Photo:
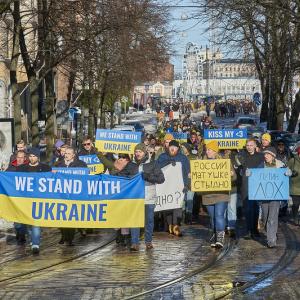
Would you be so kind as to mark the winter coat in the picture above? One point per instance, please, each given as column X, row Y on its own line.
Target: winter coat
column 152, row 174
column 77, row 163
column 294, row 165
column 247, row 161
column 165, row 159
column 130, row 169
column 83, row 152
column 211, row 198
column 13, row 165
column 39, row 168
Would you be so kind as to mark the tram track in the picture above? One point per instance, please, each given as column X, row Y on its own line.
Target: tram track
column 290, row 253
column 12, row 279
column 218, row 257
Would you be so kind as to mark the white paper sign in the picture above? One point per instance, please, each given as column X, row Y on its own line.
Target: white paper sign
column 169, row 194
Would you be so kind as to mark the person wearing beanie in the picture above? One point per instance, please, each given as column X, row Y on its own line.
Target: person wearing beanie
column 265, row 140
column 173, row 155
column 216, row 202
column 152, row 174
column 165, row 146
column 57, row 152
column 270, row 208
column 34, row 165
column 212, row 145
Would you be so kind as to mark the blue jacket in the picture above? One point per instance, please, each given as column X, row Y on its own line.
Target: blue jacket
column 165, row 159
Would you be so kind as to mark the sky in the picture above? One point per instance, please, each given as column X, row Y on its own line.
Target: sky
column 189, row 29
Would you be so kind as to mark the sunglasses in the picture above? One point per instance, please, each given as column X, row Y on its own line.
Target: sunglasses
column 86, row 144
column 122, row 156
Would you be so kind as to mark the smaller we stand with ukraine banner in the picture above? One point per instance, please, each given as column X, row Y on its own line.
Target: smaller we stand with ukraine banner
column 75, row 201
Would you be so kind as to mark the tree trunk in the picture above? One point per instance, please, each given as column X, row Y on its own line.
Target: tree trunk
column 13, row 71
column 34, row 96
column 295, row 114
column 50, row 114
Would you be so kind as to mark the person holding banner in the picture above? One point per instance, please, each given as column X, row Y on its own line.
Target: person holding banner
column 173, row 217
column 216, row 202
column 152, row 174
column 70, row 161
column 34, row 165
column 249, row 158
column 270, row 208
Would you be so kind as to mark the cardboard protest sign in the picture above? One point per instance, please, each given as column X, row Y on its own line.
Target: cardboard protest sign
column 181, row 137
column 169, row 194
column 227, row 138
column 211, row 175
column 93, row 163
column 268, row 184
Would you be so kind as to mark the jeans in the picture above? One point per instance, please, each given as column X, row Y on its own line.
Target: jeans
column 149, row 225
column 231, row 211
column 189, row 202
column 217, row 215
column 21, row 229
column 252, row 212
column 35, row 233
column 270, row 212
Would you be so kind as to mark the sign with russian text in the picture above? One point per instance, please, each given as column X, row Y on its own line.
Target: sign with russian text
column 227, row 138
column 211, row 175
column 170, row 193
column 115, row 141
column 75, row 201
column 93, row 162
column 181, row 137
column 74, row 171
column 268, row 184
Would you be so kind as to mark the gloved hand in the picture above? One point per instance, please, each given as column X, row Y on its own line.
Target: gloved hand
column 173, row 163
column 248, row 173
column 288, row 172
column 185, row 190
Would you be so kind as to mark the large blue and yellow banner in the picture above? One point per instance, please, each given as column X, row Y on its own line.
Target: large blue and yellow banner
column 75, row 201
column 116, row 141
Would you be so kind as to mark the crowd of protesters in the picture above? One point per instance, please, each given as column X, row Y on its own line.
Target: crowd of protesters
column 162, row 149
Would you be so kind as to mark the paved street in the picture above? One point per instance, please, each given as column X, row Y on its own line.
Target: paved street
column 177, row 268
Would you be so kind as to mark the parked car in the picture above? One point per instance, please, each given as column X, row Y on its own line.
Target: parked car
column 276, row 134
column 291, row 139
column 245, row 122
column 295, row 147
column 138, row 126
column 124, row 128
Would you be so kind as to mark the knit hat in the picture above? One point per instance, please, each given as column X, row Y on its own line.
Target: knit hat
column 267, row 137
column 34, row 151
column 187, row 146
column 174, row 143
column 213, row 145
column 59, row 143
column 168, row 136
column 270, row 150
column 141, row 147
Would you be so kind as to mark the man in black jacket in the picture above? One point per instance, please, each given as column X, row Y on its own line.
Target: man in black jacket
column 249, row 159
column 70, row 161
column 34, row 165
column 87, row 147
column 152, row 174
